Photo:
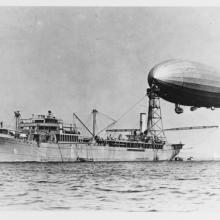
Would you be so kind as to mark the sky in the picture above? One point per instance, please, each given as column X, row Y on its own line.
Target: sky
column 74, row 59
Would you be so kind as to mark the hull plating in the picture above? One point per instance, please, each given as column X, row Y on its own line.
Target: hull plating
column 13, row 150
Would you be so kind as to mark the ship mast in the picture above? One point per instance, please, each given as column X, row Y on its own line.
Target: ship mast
column 17, row 119
column 94, row 113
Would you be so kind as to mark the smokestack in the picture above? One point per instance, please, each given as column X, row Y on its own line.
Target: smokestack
column 143, row 122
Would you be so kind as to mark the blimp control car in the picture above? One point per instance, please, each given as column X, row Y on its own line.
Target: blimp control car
column 186, row 83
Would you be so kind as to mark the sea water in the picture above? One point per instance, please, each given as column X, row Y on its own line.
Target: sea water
column 136, row 186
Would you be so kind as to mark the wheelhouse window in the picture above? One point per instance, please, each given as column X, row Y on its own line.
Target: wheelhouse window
column 39, row 121
column 51, row 120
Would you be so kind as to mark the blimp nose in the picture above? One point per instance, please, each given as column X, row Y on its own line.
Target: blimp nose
column 155, row 74
column 170, row 71
column 151, row 77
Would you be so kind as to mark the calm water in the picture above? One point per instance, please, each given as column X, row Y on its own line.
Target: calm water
column 151, row 186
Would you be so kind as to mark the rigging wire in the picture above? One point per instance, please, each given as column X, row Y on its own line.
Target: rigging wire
column 88, row 122
column 106, row 116
column 106, row 128
column 130, row 109
column 123, row 115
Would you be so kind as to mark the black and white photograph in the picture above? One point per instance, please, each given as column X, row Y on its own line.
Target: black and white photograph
column 113, row 109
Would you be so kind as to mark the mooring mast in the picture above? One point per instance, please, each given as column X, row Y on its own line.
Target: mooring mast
column 154, row 121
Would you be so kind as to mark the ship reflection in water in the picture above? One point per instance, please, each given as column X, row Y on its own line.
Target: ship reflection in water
column 137, row 186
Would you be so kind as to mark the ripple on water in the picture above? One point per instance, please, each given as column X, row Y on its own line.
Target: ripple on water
column 178, row 192
column 110, row 186
column 183, row 179
column 41, row 181
column 119, row 191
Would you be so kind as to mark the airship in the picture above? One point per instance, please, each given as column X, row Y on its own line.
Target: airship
column 186, row 83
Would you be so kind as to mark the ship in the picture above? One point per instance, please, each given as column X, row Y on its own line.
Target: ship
column 45, row 138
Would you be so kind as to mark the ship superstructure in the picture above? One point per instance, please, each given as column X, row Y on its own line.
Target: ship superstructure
column 47, row 128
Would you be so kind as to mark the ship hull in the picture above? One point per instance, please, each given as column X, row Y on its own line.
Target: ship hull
column 15, row 150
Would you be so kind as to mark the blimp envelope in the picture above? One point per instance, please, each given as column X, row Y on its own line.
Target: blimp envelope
column 186, row 83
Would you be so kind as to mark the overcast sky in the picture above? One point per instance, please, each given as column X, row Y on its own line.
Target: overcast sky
column 70, row 59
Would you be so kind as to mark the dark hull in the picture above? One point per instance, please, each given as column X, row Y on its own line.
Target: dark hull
column 187, row 96
column 186, row 83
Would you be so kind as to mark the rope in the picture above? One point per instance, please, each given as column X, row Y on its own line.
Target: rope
column 88, row 119
column 60, row 152
column 130, row 109
column 106, row 128
column 115, row 121
column 106, row 116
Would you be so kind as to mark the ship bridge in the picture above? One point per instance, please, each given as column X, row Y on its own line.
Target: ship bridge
column 41, row 123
